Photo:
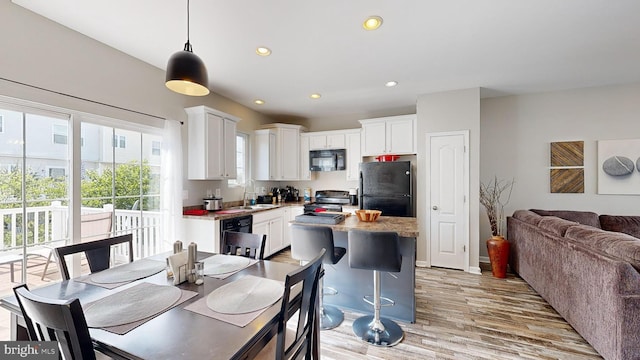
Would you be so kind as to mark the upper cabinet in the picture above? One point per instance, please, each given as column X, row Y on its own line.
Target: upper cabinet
column 277, row 152
column 212, row 144
column 354, row 157
column 327, row 140
column 389, row 135
column 305, row 170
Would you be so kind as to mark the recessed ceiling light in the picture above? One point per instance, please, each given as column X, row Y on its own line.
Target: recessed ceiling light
column 263, row 51
column 315, row 96
column 391, row 83
column 258, row 102
column 372, row 23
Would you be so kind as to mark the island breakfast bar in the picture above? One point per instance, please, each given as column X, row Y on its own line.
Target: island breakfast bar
column 353, row 284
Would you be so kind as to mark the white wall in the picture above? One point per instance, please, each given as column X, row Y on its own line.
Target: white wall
column 42, row 53
column 516, row 136
column 448, row 111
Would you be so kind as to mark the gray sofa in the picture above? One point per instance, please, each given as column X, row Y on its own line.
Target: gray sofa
column 587, row 267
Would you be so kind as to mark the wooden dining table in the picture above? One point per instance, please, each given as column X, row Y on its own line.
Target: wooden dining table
column 176, row 333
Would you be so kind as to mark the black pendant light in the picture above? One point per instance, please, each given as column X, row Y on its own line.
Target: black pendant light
column 186, row 73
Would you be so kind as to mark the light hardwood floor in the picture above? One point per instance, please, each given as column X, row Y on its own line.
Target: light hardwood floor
column 466, row 316
column 459, row 316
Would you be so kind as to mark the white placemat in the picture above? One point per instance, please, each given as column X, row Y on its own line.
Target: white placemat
column 249, row 294
column 130, row 305
column 128, row 272
column 222, row 264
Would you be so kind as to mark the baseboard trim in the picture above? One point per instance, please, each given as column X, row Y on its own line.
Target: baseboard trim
column 475, row 270
column 484, row 259
column 423, row 264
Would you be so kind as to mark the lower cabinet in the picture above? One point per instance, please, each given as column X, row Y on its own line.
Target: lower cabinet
column 203, row 231
column 270, row 223
column 290, row 214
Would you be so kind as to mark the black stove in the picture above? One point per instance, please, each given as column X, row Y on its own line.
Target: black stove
column 329, row 200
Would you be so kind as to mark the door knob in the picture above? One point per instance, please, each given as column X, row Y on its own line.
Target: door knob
column 435, row 207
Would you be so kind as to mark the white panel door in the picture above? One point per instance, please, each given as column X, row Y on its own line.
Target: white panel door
column 449, row 240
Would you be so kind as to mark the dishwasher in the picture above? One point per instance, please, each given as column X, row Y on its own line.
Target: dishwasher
column 238, row 224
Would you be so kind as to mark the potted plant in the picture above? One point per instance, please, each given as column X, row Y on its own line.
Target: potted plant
column 494, row 195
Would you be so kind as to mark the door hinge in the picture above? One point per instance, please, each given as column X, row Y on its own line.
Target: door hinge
column 464, row 198
column 464, row 248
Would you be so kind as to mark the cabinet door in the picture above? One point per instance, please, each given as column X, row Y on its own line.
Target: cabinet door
column 317, row 142
column 229, row 153
column 374, row 139
column 335, row 141
column 276, row 234
column 215, row 147
column 262, row 227
column 264, row 149
column 305, row 173
column 353, row 156
column 400, row 136
column 289, row 152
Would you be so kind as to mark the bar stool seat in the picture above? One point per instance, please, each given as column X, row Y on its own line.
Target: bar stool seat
column 377, row 251
column 306, row 244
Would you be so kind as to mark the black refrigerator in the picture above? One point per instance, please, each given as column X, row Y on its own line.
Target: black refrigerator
column 386, row 186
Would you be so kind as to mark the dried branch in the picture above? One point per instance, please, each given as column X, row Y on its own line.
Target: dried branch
column 492, row 198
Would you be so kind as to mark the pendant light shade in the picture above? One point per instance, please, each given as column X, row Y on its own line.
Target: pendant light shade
column 186, row 73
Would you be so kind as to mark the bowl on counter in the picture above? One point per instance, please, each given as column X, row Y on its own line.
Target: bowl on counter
column 368, row 215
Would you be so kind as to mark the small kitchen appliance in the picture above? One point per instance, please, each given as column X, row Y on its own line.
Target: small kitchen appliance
column 213, row 204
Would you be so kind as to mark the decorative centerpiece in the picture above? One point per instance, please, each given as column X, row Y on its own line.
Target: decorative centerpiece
column 494, row 196
column 368, row 215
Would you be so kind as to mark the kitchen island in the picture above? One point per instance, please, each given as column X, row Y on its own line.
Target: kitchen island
column 353, row 284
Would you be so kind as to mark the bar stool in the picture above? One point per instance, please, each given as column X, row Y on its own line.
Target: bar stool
column 377, row 251
column 306, row 244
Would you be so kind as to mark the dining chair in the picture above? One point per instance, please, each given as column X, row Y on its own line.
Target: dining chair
column 244, row 244
column 303, row 342
column 97, row 252
column 57, row 320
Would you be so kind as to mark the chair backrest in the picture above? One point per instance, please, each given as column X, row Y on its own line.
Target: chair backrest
column 244, row 244
column 307, row 241
column 98, row 253
column 306, row 307
column 95, row 226
column 56, row 320
column 374, row 250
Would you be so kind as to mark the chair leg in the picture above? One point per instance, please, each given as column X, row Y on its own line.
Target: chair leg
column 46, row 265
column 330, row 316
column 375, row 329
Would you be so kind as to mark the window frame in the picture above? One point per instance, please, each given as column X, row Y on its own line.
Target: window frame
column 245, row 166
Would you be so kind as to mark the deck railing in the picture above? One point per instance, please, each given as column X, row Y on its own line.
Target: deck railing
column 48, row 225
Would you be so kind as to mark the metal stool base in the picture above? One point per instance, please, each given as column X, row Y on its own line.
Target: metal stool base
column 390, row 336
column 330, row 317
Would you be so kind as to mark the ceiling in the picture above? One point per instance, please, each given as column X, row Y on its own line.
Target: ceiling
column 502, row 46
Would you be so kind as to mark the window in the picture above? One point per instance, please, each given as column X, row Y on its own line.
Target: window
column 60, row 134
column 155, row 148
column 242, row 160
column 56, row 172
column 119, row 141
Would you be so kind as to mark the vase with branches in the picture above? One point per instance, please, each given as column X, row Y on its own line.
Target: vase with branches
column 494, row 195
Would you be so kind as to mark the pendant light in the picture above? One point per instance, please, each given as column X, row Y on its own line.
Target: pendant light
column 186, row 73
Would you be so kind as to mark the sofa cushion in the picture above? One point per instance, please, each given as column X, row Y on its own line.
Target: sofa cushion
column 556, row 225
column 624, row 224
column 582, row 217
column 616, row 244
column 527, row 216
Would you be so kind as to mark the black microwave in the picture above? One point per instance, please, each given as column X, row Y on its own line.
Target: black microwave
column 327, row 160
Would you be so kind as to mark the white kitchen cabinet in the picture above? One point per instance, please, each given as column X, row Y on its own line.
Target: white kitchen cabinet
column 212, row 144
column 203, row 231
column 352, row 139
column 305, row 170
column 283, row 163
column 390, row 135
column 327, row 140
column 290, row 213
column 270, row 223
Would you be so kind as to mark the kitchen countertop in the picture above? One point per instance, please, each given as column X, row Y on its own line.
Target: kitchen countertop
column 404, row 226
column 216, row 215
